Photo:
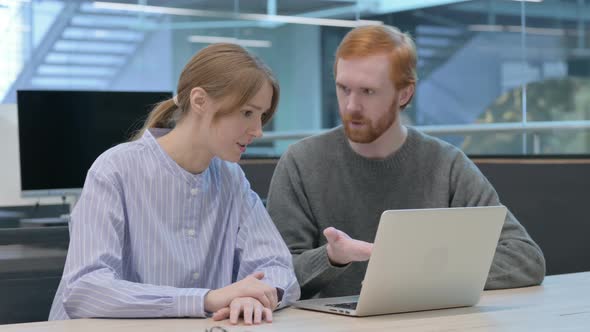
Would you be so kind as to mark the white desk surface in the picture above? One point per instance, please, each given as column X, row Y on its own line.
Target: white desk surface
column 562, row 303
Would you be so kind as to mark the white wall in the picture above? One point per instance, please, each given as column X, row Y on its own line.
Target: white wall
column 295, row 59
column 9, row 161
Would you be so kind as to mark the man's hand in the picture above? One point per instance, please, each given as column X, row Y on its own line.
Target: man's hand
column 251, row 309
column 342, row 249
column 251, row 286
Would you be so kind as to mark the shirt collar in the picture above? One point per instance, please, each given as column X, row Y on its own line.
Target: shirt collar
column 150, row 136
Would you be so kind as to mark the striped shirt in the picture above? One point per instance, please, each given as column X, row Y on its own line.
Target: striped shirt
column 150, row 239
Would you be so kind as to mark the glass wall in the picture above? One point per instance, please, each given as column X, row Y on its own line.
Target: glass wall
column 496, row 77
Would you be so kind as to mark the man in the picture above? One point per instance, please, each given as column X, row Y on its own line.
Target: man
column 328, row 191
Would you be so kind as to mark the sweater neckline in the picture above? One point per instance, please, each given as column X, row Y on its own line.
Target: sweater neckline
column 394, row 160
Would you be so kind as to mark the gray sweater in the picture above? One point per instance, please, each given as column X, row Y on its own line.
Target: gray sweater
column 321, row 182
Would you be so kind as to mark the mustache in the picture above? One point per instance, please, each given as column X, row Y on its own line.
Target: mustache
column 356, row 117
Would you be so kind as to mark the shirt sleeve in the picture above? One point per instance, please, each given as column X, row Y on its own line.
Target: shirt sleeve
column 93, row 283
column 518, row 260
column 260, row 247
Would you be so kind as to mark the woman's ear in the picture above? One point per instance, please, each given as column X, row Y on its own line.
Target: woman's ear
column 198, row 99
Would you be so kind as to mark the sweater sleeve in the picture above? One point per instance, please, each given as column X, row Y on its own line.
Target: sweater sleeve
column 290, row 210
column 518, row 260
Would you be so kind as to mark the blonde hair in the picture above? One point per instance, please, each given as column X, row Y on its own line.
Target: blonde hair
column 226, row 72
column 382, row 39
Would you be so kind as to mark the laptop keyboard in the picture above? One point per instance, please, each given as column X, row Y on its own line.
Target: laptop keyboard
column 349, row 305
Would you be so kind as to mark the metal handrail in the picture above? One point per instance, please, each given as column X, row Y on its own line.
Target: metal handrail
column 466, row 129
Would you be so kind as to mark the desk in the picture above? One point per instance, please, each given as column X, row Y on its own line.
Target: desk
column 10, row 214
column 561, row 303
column 18, row 258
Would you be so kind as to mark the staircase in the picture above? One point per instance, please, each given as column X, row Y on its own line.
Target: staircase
column 438, row 44
column 85, row 48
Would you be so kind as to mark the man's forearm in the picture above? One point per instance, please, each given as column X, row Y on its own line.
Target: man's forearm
column 314, row 271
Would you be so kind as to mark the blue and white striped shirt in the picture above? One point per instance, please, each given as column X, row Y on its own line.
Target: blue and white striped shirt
column 150, row 239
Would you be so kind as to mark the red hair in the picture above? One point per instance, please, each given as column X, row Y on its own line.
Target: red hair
column 382, row 39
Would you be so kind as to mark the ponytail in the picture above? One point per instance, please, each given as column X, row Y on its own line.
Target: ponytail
column 162, row 116
column 226, row 72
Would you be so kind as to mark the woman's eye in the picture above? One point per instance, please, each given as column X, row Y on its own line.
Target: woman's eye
column 368, row 91
column 248, row 113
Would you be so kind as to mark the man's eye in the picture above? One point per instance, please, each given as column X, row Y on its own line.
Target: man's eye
column 368, row 91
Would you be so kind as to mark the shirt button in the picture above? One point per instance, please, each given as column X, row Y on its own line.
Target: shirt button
column 191, row 232
column 196, row 275
column 194, row 191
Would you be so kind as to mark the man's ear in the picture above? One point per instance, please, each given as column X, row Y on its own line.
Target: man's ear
column 405, row 95
column 198, row 99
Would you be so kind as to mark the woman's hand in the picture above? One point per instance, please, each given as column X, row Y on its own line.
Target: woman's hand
column 251, row 287
column 249, row 308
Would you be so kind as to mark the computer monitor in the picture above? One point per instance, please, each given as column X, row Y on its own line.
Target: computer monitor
column 61, row 133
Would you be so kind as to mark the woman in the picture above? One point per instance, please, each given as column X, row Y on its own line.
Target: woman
column 167, row 225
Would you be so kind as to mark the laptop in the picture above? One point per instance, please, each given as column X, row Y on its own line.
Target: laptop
column 424, row 259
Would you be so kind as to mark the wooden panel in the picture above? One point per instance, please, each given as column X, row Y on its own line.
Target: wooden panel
column 552, row 201
column 27, row 299
column 549, row 196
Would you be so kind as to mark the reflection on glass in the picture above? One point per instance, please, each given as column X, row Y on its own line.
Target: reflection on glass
column 472, row 54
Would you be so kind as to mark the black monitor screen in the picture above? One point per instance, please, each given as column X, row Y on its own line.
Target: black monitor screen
column 61, row 133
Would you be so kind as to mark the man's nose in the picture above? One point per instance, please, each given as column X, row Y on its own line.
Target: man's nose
column 353, row 102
